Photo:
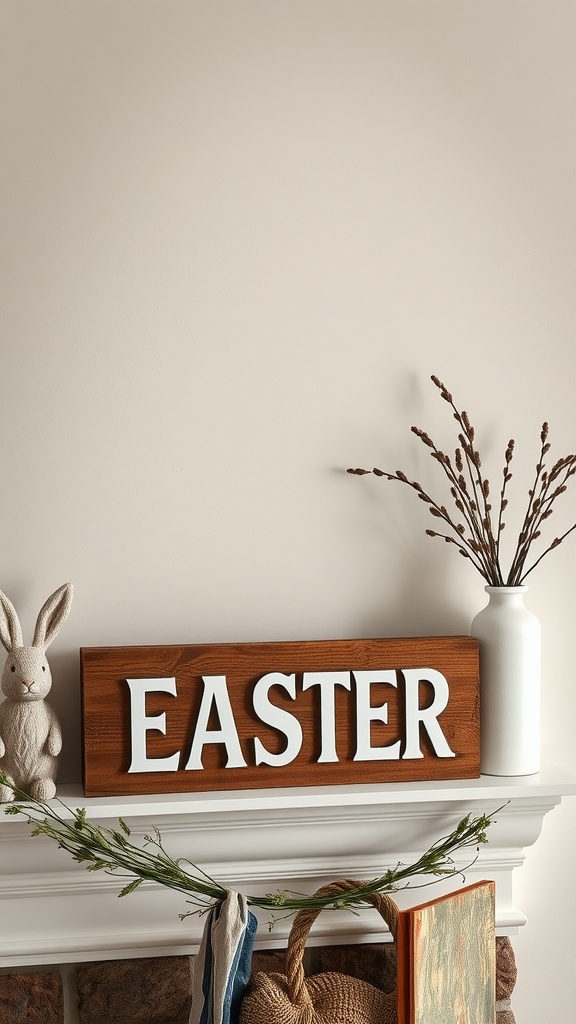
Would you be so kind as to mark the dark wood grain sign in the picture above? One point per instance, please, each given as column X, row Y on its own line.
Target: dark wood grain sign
column 258, row 715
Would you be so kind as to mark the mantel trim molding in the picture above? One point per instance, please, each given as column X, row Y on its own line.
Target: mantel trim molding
column 53, row 911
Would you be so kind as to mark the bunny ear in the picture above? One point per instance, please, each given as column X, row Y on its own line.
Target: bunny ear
column 10, row 629
column 52, row 616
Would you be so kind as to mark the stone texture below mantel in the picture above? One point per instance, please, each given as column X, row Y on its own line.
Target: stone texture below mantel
column 158, row 990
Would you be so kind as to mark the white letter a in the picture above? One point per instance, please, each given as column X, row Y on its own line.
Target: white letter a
column 216, row 692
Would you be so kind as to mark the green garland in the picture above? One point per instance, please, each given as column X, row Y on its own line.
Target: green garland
column 110, row 850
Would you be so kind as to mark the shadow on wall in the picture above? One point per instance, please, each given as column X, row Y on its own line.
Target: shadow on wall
column 65, row 699
column 423, row 600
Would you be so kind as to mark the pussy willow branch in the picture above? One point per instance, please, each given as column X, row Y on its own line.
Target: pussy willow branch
column 528, row 528
column 112, row 851
column 478, row 536
column 506, row 477
column 554, row 544
column 467, row 546
column 541, row 508
column 480, row 487
column 458, row 487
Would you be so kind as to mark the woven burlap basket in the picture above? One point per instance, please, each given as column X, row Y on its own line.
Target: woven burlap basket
column 328, row 998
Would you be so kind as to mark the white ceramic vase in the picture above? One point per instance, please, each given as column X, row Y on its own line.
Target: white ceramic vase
column 510, row 671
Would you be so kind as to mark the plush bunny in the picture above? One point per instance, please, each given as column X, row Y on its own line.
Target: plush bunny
column 30, row 737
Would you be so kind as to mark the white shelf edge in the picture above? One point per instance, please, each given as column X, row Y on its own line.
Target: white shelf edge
column 551, row 781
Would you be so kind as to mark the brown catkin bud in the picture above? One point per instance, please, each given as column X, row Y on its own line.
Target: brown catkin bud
column 468, row 426
column 443, row 389
column 423, row 436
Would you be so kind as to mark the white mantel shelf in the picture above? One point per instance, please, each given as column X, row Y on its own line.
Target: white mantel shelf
column 54, row 911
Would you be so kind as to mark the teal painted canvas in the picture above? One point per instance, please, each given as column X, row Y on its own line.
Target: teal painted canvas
column 447, row 959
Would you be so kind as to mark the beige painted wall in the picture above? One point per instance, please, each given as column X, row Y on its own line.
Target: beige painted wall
column 236, row 239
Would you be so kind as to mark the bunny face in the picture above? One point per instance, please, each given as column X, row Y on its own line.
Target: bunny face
column 26, row 676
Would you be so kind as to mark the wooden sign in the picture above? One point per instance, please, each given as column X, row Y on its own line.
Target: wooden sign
column 252, row 716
